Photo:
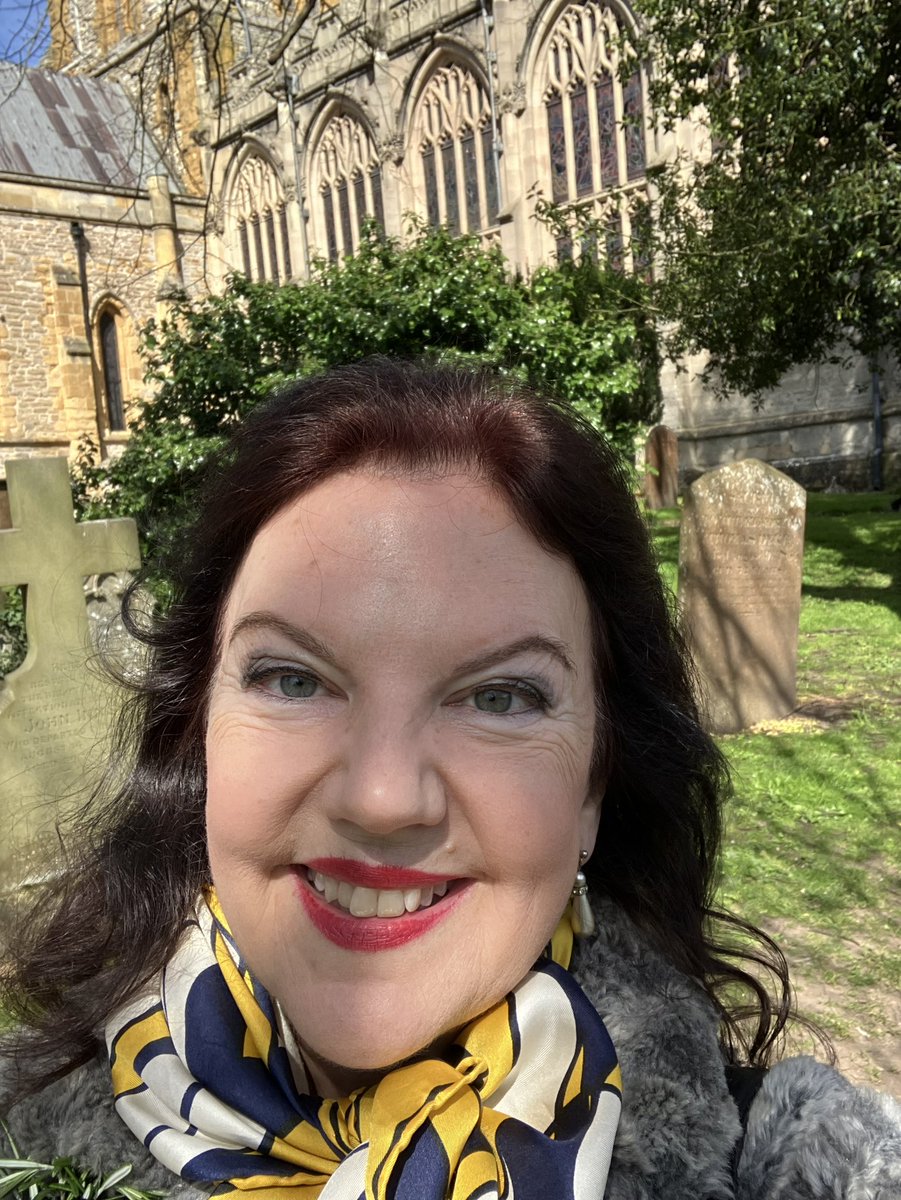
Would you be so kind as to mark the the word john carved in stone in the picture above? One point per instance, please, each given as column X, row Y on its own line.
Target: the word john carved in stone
column 55, row 711
column 740, row 557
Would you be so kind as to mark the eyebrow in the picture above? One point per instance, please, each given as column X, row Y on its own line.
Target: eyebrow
column 534, row 643
column 294, row 633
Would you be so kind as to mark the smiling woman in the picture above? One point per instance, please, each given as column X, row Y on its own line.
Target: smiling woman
column 419, row 671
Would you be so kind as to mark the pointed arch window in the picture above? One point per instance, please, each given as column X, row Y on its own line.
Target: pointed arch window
column 259, row 236
column 113, row 344
column 348, row 180
column 595, row 119
column 453, row 133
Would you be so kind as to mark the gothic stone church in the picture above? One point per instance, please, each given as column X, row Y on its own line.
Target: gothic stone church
column 258, row 135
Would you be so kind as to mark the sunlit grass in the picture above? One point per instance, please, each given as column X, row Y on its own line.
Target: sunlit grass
column 813, row 833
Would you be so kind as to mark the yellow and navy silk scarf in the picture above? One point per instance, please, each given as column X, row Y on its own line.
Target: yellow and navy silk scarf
column 523, row 1106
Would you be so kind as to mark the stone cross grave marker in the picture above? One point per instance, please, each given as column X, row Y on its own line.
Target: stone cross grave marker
column 661, row 463
column 740, row 555
column 55, row 711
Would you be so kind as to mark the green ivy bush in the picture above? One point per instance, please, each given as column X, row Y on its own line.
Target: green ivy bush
column 576, row 329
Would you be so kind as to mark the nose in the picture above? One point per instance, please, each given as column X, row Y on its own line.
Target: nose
column 389, row 781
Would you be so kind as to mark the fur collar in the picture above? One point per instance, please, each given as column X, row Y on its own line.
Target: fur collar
column 811, row 1135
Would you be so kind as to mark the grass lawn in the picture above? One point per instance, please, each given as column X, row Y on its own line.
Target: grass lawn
column 813, row 835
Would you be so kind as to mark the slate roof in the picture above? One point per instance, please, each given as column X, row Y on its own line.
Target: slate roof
column 72, row 128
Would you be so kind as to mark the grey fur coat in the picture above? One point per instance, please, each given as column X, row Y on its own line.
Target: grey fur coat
column 811, row 1135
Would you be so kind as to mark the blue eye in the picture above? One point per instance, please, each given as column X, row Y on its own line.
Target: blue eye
column 281, row 682
column 503, row 699
column 296, row 687
column 493, row 700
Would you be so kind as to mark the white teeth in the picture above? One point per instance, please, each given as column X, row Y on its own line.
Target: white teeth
column 391, row 904
column 372, row 902
column 331, row 889
column 364, row 902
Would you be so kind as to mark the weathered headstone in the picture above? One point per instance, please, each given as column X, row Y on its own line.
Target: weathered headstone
column 661, row 468
column 55, row 711
column 740, row 555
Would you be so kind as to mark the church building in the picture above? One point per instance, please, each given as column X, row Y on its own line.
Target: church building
column 153, row 152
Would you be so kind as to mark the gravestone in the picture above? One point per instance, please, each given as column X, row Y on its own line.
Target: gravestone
column 55, row 711
column 661, row 468
column 740, row 556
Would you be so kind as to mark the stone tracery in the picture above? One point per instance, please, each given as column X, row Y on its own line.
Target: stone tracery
column 348, row 183
column 454, row 137
column 258, row 221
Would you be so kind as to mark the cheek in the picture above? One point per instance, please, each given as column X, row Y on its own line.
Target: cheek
column 254, row 785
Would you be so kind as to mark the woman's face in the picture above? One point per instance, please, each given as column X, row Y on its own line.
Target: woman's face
column 398, row 751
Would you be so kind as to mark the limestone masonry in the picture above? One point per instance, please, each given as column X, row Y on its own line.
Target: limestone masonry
column 153, row 152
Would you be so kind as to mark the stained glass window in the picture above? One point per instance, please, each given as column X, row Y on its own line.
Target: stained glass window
column 607, row 131
column 453, row 125
column 615, row 241
column 431, row 186
column 245, row 249
column 328, row 206
column 596, row 134
column 633, row 124
column 344, row 209
column 269, row 222
column 557, row 138
column 470, row 180
column 254, row 198
column 286, row 241
column 581, row 134
column 451, row 191
column 258, row 248
column 360, row 201
column 346, row 162
column 490, row 174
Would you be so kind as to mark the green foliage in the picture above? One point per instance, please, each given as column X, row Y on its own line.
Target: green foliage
column 787, row 239
column 22, row 1178
column 13, row 641
column 573, row 329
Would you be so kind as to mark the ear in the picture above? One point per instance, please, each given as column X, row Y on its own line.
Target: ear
column 589, row 820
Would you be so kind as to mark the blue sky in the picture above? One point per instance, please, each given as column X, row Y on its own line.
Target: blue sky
column 23, row 30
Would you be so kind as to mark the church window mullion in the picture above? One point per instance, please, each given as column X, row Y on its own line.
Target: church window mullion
column 378, row 208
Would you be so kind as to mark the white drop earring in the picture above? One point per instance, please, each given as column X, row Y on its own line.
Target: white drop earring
column 581, row 918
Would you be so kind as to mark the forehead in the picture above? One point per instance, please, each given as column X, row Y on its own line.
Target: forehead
column 365, row 553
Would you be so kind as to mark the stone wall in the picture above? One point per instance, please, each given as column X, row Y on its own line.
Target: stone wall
column 51, row 389
column 817, row 426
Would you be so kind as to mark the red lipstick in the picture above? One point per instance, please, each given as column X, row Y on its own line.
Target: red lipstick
column 375, row 875
column 372, row 933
